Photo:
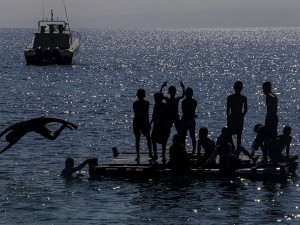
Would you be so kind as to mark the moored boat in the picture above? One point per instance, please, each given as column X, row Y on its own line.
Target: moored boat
column 53, row 43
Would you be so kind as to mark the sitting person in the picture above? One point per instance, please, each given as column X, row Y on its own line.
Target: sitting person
column 262, row 140
column 206, row 143
column 179, row 159
column 69, row 169
column 224, row 148
column 281, row 142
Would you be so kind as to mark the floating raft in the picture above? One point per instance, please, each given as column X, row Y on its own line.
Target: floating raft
column 125, row 166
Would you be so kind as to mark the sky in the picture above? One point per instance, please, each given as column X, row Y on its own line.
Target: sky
column 153, row 13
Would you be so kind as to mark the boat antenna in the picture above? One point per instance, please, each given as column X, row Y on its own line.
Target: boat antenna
column 51, row 14
column 43, row 8
column 66, row 12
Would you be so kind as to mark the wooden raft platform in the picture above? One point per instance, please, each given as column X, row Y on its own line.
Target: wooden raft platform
column 125, row 166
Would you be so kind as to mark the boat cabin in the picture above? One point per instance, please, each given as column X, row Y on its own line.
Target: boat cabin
column 52, row 34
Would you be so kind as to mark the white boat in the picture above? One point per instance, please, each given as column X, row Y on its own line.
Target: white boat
column 53, row 43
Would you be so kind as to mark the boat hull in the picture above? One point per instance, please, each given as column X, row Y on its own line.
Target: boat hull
column 49, row 56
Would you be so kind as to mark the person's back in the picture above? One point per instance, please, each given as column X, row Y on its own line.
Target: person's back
column 237, row 108
column 206, row 143
column 271, row 120
column 188, row 123
column 179, row 159
column 188, row 107
column 141, row 112
column 161, row 125
column 141, row 121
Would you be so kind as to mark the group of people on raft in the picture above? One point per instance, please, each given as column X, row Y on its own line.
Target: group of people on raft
column 166, row 114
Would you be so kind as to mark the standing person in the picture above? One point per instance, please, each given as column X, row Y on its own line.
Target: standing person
column 188, row 123
column 172, row 103
column 141, row 122
column 237, row 108
column 161, row 125
column 38, row 125
column 271, row 121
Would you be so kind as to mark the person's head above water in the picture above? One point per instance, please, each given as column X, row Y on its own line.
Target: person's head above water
column 69, row 162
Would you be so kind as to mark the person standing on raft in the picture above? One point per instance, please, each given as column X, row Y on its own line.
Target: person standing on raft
column 141, row 122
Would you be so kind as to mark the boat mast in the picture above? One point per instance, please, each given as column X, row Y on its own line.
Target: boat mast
column 66, row 13
column 43, row 8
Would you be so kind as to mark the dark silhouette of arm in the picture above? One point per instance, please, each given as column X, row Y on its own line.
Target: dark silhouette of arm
column 163, row 85
column 7, row 147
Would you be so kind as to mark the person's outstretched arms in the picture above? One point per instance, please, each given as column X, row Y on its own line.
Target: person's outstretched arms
column 79, row 167
column 163, row 85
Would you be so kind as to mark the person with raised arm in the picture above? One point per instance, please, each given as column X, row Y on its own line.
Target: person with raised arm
column 161, row 125
column 69, row 169
column 173, row 103
column 38, row 125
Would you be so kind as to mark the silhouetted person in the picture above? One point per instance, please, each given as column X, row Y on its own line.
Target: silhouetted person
column 69, row 169
column 141, row 122
column 161, row 125
column 188, row 123
column 262, row 141
column 38, row 125
column 271, row 121
column 236, row 110
column 281, row 142
column 172, row 103
column 206, row 143
column 179, row 159
column 225, row 149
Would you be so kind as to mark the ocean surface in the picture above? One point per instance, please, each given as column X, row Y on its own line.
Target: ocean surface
column 97, row 93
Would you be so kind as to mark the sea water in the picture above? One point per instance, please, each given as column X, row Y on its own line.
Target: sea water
column 97, row 91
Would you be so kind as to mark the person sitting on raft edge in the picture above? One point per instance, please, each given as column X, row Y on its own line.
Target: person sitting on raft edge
column 179, row 160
